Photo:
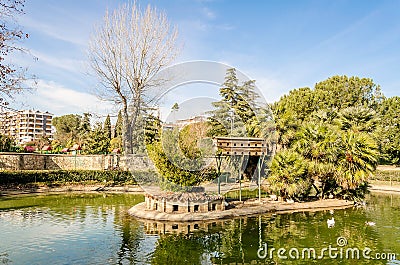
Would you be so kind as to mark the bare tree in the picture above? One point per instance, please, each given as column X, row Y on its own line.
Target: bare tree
column 11, row 77
column 126, row 51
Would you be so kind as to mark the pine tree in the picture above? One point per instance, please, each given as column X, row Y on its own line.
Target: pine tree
column 97, row 142
column 237, row 112
column 107, row 127
column 85, row 123
column 229, row 89
column 152, row 129
column 118, row 126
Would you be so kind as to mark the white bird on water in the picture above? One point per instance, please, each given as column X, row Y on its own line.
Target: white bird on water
column 370, row 223
column 331, row 222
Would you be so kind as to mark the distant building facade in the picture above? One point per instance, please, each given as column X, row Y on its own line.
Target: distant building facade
column 26, row 125
column 183, row 122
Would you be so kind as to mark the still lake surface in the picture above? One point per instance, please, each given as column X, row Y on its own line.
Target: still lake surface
column 95, row 229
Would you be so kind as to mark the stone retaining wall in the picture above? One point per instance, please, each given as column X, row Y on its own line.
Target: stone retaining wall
column 29, row 161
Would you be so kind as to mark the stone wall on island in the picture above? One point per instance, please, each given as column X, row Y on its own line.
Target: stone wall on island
column 184, row 202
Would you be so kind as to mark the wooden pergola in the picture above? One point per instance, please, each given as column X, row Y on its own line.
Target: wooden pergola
column 241, row 146
column 249, row 146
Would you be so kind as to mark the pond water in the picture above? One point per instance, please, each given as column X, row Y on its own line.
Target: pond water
column 95, row 229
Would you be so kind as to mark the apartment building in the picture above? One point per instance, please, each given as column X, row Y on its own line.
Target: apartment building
column 26, row 125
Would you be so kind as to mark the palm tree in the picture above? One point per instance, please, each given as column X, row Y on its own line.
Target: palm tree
column 357, row 119
column 286, row 127
column 357, row 160
column 289, row 175
column 318, row 145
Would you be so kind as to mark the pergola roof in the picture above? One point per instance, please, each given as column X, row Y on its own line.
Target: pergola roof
column 241, row 145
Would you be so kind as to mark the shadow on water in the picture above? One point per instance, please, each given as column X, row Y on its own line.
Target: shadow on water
column 4, row 258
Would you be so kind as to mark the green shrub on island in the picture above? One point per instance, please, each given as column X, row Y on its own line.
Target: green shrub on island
column 180, row 156
column 66, row 176
column 171, row 170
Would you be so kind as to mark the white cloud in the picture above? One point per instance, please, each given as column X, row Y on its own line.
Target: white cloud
column 225, row 27
column 272, row 89
column 208, row 13
column 59, row 100
column 71, row 65
column 65, row 33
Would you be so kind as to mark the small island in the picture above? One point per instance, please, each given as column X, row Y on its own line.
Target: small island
column 214, row 208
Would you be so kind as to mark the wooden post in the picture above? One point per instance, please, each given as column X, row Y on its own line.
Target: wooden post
column 240, row 183
column 259, row 178
column 219, row 161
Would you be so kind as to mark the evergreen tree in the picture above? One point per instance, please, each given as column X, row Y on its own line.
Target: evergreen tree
column 6, row 143
column 97, row 142
column 231, row 113
column 329, row 97
column 68, row 128
column 107, row 127
column 85, row 123
column 84, row 130
column 118, row 126
column 339, row 92
column 115, row 143
column 239, row 113
column 389, row 130
column 152, row 129
column 174, row 110
column 229, row 89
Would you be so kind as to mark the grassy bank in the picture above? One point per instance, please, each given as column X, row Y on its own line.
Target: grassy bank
column 387, row 175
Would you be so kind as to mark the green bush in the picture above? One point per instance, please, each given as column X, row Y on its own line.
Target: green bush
column 51, row 176
column 288, row 177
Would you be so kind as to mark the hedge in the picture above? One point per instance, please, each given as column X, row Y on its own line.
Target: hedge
column 31, row 176
column 387, row 175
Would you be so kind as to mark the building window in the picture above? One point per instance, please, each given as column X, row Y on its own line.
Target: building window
column 174, row 227
column 175, row 208
column 213, row 207
column 196, row 208
column 156, row 206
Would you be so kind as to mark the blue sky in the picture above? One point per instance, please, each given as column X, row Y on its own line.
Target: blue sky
column 281, row 44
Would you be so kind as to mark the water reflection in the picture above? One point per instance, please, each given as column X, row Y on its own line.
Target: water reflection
column 64, row 229
column 95, row 229
column 233, row 241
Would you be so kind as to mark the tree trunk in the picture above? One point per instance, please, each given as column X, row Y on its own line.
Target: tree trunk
column 135, row 129
column 126, row 132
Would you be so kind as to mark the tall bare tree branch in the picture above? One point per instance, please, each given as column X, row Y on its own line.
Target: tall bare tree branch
column 129, row 48
column 12, row 77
